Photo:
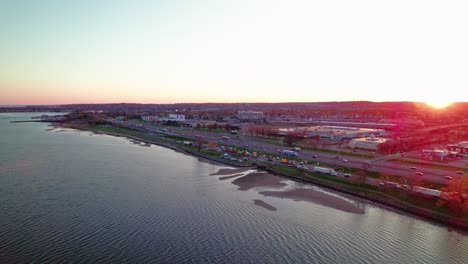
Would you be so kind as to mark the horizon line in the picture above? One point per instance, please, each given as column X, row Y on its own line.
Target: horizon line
column 259, row 102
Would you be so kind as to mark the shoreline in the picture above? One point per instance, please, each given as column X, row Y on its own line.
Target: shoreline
column 388, row 203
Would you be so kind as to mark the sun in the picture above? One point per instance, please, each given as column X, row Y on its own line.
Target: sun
column 439, row 104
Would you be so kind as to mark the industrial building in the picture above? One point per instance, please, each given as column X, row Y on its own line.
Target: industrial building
column 461, row 147
column 251, row 116
column 338, row 132
column 370, row 143
column 356, row 124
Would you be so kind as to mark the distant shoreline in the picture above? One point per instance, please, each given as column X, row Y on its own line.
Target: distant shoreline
column 389, row 204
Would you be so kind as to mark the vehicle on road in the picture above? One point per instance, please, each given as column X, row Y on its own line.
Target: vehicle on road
column 289, row 153
column 325, row 170
column 296, row 148
column 346, row 175
column 314, row 156
column 448, row 177
column 345, row 160
column 413, row 168
column 419, row 173
column 460, row 172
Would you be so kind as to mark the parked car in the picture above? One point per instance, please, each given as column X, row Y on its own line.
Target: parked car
column 346, row 175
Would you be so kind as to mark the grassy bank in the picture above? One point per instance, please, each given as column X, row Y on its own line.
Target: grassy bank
column 401, row 199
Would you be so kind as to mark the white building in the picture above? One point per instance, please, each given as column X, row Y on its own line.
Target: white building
column 250, row 116
column 338, row 132
column 461, row 147
column 370, row 143
column 174, row 117
column 404, row 122
column 150, row 118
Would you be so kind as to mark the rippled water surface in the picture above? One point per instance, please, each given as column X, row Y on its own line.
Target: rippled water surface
column 70, row 196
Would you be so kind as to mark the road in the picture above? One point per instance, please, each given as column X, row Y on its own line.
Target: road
column 258, row 144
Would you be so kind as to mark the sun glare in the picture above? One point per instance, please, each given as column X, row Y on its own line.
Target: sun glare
column 439, row 104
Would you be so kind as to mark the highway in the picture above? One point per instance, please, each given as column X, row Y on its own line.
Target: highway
column 257, row 144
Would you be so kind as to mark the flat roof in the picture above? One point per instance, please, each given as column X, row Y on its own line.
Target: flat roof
column 463, row 144
column 371, row 139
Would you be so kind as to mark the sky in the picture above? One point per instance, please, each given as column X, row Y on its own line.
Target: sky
column 177, row 51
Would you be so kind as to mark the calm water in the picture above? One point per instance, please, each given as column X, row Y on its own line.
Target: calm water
column 69, row 196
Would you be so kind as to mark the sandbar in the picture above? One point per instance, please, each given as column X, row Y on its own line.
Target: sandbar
column 229, row 171
column 316, row 197
column 264, row 205
column 253, row 180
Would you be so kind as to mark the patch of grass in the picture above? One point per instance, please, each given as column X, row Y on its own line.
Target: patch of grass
column 210, row 152
column 417, row 200
column 289, row 170
column 177, row 138
column 374, row 174
column 113, row 129
column 218, row 130
column 324, row 177
column 139, row 121
column 123, row 131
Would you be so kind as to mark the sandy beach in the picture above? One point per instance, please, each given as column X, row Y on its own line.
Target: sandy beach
column 229, row 171
column 316, row 197
column 254, row 180
column 230, row 177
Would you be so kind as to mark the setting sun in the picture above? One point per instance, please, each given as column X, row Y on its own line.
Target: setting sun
column 439, row 104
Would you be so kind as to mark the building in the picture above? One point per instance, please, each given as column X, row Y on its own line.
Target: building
column 150, row 118
column 404, row 122
column 370, row 143
column 439, row 154
column 461, row 147
column 251, row 116
column 339, row 133
column 355, row 124
column 174, row 117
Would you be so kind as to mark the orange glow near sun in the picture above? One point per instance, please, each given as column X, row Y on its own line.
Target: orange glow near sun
column 439, row 104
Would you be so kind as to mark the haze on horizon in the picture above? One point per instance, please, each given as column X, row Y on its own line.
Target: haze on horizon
column 103, row 51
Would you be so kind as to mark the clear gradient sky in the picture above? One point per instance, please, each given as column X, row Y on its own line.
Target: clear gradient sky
column 101, row 51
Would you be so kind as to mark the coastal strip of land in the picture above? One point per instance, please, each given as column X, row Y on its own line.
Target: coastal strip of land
column 376, row 197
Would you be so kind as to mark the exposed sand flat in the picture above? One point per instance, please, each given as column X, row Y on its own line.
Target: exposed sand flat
column 317, row 197
column 253, row 180
column 230, row 171
column 264, row 205
column 230, row 177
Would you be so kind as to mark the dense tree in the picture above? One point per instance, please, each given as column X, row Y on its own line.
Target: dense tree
column 455, row 195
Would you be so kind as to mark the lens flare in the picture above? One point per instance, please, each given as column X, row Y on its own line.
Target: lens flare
column 439, row 104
